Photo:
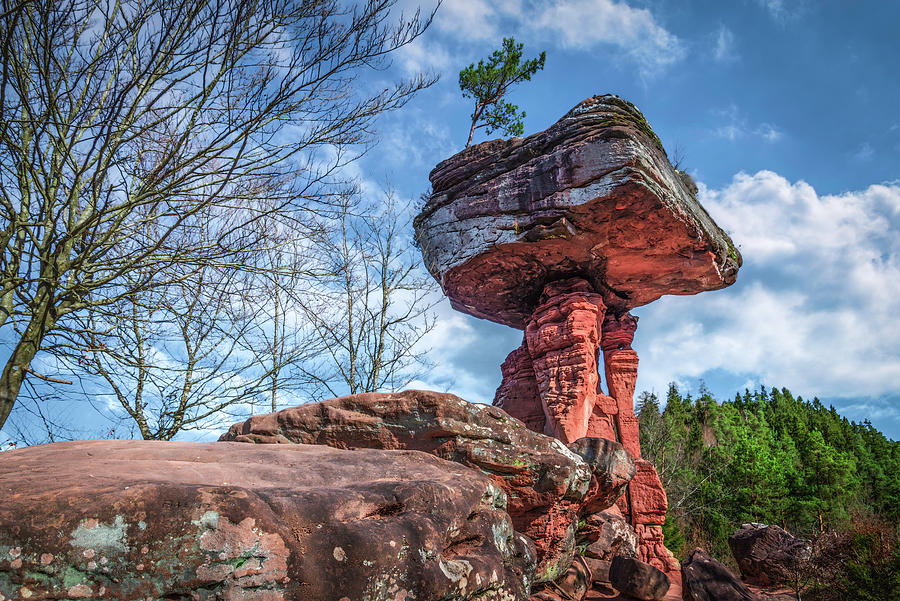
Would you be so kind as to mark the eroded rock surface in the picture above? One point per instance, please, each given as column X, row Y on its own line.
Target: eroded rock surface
column 128, row 520
column 546, row 484
column 571, row 586
column 612, row 468
column 605, row 534
column 562, row 338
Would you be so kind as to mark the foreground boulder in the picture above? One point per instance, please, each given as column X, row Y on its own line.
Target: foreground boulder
column 606, row 533
column 129, row 520
column 765, row 554
column 571, row 586
column 705, row 579
column 612, row 469
column 637, row 579
column 546, row 484
column 603, row 535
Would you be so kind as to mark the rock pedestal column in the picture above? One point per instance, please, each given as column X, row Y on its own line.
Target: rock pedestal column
column 645, row 503
column 518, row 393
column 552, row 383
column 621, row 364
column 562, row 338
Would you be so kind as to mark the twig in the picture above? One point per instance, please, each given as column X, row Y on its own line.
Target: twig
column 47, row 378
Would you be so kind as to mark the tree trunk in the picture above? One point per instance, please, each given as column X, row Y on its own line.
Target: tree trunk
column 20, row 360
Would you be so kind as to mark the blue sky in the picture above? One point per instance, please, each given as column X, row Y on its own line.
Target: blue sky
column 785, row 112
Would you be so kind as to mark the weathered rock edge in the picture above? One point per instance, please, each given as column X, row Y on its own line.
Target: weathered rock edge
column 548, row 485
column 177, row 520
column 593, row 196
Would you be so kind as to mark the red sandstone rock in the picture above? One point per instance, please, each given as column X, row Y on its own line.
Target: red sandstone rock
column 605, row 534
column 612, row 468
column 572, row 586
column 593, row 196
column 130, row 519
column 518, row 393
column 545, row 483
column 562, row 337
column 621, row 364
column 561, row 233
column 601, row 423
column 647, row 499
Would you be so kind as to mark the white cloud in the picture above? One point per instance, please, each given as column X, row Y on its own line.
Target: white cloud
column 785, row 10
column 817, row 302
column 723, row 50
column 634, row 33
column 474, row 19
column 583, row 24
column 735, row 126
column 864, row 152
column 424, row 56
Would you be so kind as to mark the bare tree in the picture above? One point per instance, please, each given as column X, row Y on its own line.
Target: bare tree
column 280, row 340
column 370, row 316
column 171, row 356
column 122, row 122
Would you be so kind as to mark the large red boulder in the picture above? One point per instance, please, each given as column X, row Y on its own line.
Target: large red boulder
column 546, row 484
column 605, row 534
column 127, row 520
column 612, row 468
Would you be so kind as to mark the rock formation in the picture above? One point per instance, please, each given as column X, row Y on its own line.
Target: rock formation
column 767, row 554
column 560, row 234
column 113, row 519
column 705, row 579
column 548, row 487
column 638, row 579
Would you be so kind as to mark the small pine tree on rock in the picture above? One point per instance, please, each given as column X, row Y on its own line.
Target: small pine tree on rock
column 487, row 83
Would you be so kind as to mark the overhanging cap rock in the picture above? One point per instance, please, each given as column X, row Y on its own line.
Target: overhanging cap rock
column 593, row 196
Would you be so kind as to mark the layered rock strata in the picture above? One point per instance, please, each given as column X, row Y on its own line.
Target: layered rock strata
column 593, row 196
column 562, row 337
column 128, row 520
column 547, row 485
column 561, row 234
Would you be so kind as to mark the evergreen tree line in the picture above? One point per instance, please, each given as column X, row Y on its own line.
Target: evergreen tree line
column 767, row 456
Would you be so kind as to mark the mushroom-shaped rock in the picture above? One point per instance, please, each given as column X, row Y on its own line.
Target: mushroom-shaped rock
column 593, row 196
column 561, row 234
